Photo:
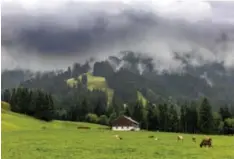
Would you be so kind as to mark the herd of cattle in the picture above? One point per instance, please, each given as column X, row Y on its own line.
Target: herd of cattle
column 206, row 142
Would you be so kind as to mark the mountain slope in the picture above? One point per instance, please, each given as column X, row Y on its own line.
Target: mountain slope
column 125, row 76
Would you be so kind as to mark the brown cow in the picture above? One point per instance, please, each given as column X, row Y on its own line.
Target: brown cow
column 206, row 142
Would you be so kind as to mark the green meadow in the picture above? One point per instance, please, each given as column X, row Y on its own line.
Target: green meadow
column 24, row 137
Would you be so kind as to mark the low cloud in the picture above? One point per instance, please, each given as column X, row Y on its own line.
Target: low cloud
column 54, row 36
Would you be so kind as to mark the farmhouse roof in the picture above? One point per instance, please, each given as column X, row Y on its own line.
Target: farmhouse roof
column 129, row 118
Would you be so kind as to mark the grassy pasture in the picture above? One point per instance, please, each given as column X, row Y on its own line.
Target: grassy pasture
column 25, row 138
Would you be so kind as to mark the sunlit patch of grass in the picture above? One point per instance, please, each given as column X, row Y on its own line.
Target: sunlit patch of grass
column 141, row 98
column 94, row 82
column 5, row 106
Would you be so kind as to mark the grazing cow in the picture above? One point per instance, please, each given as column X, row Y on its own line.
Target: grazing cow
column 118, row 137
column 194, row 139
column 43, row 127
column 207, row 141
column 179, row 137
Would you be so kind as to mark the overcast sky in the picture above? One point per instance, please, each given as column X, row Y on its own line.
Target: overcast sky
column 51, row 34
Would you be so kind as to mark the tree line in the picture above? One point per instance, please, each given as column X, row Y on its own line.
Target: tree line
column 36, row 103
column 80, row 104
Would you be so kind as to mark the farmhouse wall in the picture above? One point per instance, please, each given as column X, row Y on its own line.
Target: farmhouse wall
column 125, row 128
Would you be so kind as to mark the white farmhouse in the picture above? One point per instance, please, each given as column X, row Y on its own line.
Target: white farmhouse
column 124, row 123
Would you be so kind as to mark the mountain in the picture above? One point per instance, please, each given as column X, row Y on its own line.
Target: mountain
column 133, row 73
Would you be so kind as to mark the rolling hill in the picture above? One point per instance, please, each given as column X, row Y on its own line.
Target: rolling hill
column 18, row 122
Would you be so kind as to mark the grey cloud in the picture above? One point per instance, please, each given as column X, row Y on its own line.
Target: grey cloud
column 223, row 11
column 51, row 38
column 80, row 30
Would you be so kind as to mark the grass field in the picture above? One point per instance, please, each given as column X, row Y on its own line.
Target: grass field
column 94, row 82
column 24, row 138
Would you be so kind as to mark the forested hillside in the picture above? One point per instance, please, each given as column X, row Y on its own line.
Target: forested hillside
column 159, row 100
column 131, row 73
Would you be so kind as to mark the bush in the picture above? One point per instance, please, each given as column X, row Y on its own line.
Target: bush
column 103, row 120
column 229, row 122
column 92, row 118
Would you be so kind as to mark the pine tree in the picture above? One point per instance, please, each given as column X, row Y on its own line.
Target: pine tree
column 116, row 105
column 84, row 80
column 217, row 121
column 173, row 120
column 127, row 112
column 163, row 116
column 32, row 103
column 192, row 118
column 110, row 110
column 6, row 95
column 69, row 72
column 205, row 117
column 113, row 116
column 232, row 110
column 224, row 112
column 25, row 100
column 13, row 101
column 138, row 111
column 100, row 108
column 152, row 117
column 74, row 113
column 50, row 107
column 76, row 70
column 83, row 109
column 43, row 107
column 183, row 120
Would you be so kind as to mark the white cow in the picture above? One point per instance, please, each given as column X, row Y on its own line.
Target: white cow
column 180, row 138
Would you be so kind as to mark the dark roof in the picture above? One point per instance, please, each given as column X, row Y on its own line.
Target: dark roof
column 129, row 118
